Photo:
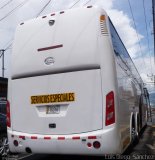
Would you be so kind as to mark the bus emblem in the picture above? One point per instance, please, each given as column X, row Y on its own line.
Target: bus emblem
column 49, row 61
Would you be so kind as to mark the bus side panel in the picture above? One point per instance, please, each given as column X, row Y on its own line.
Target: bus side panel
column 129, row 90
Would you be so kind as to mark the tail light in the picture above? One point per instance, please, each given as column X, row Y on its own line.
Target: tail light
column 96, row 144
column 8, row 119
column 15, row 142
column 110, row 109
column 89, row 145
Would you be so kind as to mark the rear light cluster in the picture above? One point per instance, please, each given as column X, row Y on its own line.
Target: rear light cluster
column 62, row 12
column 95, row 144
column 110, row 109
column 8, row 118
column 53, row 14
column 44, row 16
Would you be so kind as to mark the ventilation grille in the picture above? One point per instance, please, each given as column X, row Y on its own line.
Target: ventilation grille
column 104, row 30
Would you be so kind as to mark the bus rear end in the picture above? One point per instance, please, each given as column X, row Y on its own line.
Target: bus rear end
column 56, row 102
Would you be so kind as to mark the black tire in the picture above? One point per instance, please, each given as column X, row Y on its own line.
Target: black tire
column 134, row 133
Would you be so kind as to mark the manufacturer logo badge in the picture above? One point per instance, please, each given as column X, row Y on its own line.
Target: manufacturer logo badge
column 49, row 61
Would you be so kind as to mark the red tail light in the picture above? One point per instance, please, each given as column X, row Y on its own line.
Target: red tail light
column 8, row 119
column 96, row 144
column 110, row 109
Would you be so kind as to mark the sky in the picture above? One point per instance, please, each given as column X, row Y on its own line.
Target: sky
column 131, row 18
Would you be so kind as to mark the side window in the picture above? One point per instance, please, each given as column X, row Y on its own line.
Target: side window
column 123, row 58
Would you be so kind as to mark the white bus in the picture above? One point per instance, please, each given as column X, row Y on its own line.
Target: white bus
column 74, row 88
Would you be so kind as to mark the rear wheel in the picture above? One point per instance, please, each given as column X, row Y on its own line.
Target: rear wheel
column 4, row 147
column 135, row 131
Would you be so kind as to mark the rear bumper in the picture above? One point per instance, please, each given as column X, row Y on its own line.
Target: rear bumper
column 67, row 144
